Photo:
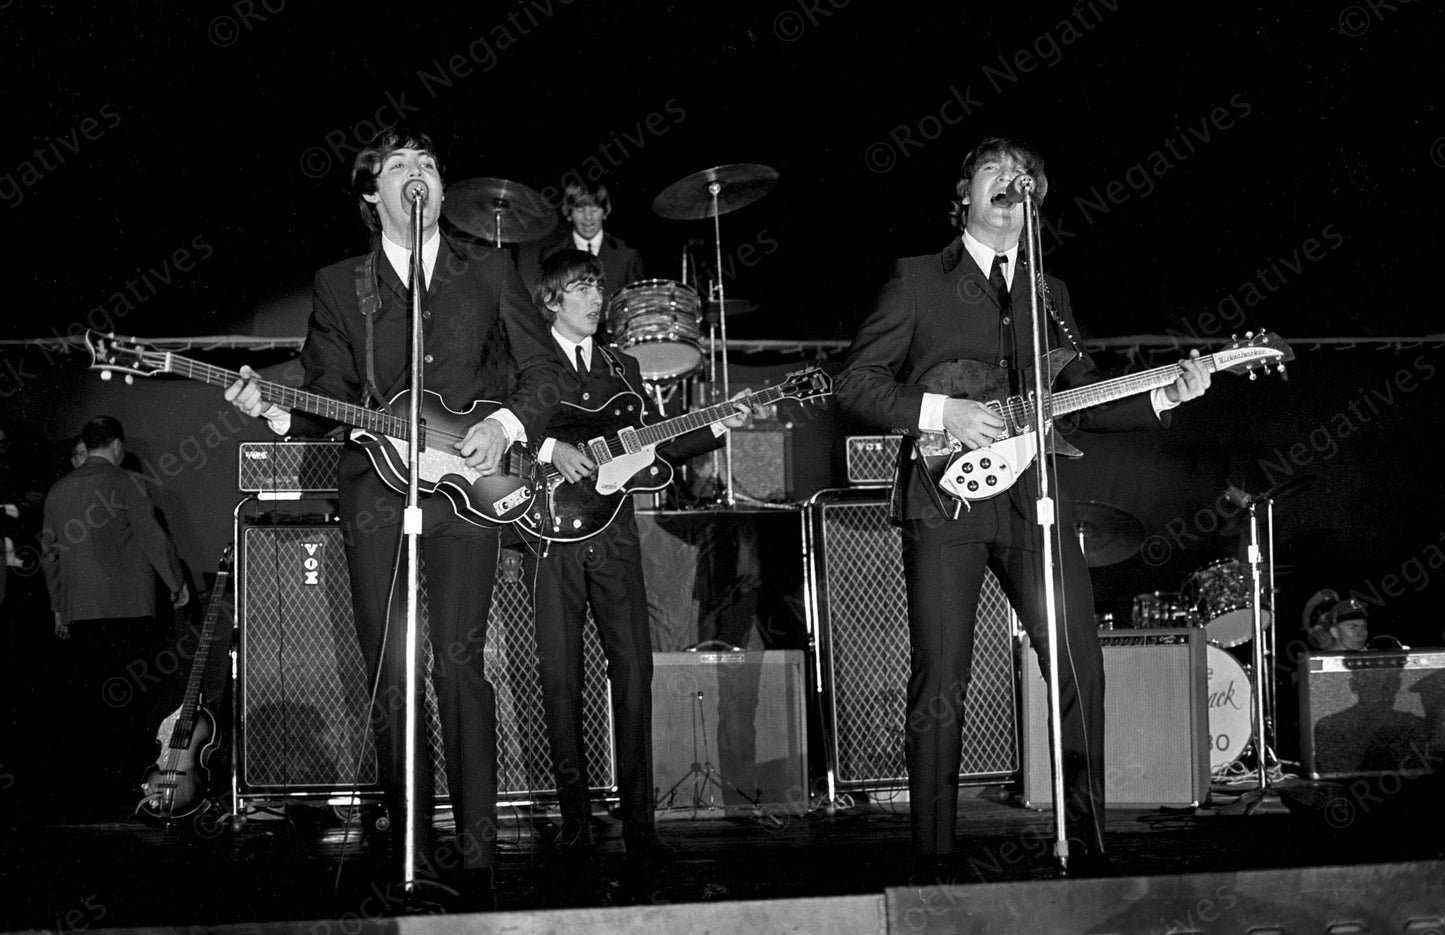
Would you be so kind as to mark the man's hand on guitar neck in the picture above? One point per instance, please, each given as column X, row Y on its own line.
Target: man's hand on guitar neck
column 971, row 422
column 1193, row 381
column 245, row 395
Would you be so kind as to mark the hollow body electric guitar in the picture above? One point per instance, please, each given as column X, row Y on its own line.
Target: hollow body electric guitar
column 175, row 787
column 981, row 473
column 624, row 448
column 500, row 498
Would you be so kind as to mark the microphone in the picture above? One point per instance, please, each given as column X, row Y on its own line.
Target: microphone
column 415, row 190
column 1018, row 189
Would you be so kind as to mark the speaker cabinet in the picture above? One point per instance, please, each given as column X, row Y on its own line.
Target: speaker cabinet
column 1370, row 713
column 858, row 602
column 1156, row 720
column 727, row 733
column 302, row 698
column 762, row 469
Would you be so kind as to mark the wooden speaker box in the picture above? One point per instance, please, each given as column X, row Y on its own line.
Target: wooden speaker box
column 727, row 733
column 1371, row 713
column 1156, row 720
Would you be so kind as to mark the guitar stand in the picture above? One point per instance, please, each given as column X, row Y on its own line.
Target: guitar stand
column 702, row 772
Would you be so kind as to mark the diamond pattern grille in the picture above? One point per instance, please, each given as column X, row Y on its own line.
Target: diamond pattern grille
column 864, row 608
column 304, row 687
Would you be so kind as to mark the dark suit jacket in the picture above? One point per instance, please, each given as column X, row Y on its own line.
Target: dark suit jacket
column 482, row 336
column 940, row 308
column 621, row 264
column 103, row 547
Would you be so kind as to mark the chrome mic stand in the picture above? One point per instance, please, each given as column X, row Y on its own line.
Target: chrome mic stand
column 724, row 478
column 1044, row 509
column 416, row 190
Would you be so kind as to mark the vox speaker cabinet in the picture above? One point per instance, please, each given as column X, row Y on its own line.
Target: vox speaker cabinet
column 728, row 734
column 871, row 459
column 304, row 466
column 1371, row 713
column 858, row 611
column 1156, row 720
column 303, row 692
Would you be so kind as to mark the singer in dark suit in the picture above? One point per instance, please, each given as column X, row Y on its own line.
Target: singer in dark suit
column 604, row 571
column 968, row 304
column 483, row 340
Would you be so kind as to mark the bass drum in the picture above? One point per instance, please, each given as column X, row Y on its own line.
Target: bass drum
column 1231, row 701
column 659, row 322
column 1218, row 596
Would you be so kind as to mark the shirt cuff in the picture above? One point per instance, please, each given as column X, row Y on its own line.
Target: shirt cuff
column 278, row 419
column 718, row 430
column 511, row 425
column 930, row 414
column 544, row 454
column 1160, row 401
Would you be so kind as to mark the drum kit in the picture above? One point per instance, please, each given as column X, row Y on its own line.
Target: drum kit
column 1216, row 597
column 658, row 321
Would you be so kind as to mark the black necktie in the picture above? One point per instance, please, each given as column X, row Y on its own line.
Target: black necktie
column 581, row 362
column 1006, row 329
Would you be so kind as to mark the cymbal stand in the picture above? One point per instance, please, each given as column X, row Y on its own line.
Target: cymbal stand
column 1250, row 801
column 725, row 477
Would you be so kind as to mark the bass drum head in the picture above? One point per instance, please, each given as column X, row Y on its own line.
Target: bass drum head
column 1231, row 703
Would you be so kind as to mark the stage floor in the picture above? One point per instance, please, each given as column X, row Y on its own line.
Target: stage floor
column 74, row 873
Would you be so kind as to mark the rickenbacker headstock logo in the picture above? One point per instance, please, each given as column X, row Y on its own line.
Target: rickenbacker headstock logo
column 311, row 564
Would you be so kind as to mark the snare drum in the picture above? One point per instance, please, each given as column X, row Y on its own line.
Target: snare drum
column 1231, row 699
column 1218, row 595
column 658, row 322
column 1155, row 609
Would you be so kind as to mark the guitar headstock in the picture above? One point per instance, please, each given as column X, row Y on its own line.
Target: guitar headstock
column 227, row 555
column 110, row 354
column 806, row 385
column 1254, row 354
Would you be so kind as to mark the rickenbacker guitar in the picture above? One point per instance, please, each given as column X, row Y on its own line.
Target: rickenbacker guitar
column 175, row 786
column 500, row 498
column 981, row 473
column 616, row 438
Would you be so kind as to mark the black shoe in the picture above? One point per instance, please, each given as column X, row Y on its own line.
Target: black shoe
column 1089, row 862
column 647, row 847
column 468, row 891
column 935, row 870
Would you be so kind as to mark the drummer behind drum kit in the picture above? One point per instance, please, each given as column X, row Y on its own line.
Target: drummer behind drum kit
column 1215, row 597
column 658, row 321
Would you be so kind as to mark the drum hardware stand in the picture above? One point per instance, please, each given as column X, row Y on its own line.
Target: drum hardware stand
column 725, row 476
column 1262, row 714
column 1044, row 511
column 702, row 772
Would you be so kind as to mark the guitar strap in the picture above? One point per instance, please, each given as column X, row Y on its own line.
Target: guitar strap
column 369, row 302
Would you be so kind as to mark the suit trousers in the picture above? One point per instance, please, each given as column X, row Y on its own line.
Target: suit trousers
column 944, row 564
column 459, row 566
column 605, row 572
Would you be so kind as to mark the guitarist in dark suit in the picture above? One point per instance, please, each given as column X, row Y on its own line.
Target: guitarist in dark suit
column 604, row 571
column 483, row 340
column 584, row 209
column 971, row 304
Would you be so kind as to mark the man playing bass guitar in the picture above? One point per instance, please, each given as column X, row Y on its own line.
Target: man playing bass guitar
column 604, row 570
column 475, row 309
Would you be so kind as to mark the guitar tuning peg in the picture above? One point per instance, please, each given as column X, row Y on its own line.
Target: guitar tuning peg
column 1283, row 374
column 106, row 375
column 129, row 380
column 1254, row 374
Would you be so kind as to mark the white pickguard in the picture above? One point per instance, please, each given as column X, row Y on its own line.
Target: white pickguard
column 988, row 471
column 612, row 475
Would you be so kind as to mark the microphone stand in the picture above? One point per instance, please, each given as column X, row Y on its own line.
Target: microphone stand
column 1044, row 511
column 1261, row 713
column 725, row 477
column 411, row 537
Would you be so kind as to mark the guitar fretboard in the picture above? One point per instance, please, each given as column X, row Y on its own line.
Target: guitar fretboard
column 186, row 720
column 380, row 423
column 1021, row 411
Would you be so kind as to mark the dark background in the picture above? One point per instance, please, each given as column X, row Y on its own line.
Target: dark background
column 183, row 171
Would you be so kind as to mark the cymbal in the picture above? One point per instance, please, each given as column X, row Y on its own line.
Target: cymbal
column 480, row 206
column 1110, row 534
column 739, row 184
